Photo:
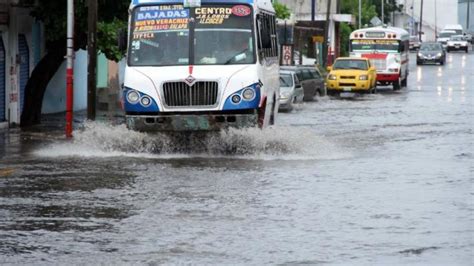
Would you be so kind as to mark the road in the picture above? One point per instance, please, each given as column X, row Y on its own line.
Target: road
column 379, row 179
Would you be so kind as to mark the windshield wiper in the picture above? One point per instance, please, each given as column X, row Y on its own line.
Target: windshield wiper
column 235, row 55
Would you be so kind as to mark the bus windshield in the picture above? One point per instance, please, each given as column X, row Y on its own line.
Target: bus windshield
column 168, row 35
column 446, row 34
column 375, row 45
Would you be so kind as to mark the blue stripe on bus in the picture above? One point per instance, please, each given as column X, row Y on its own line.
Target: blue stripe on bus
column 137, row 2
column 242, row 105
column 137, row 107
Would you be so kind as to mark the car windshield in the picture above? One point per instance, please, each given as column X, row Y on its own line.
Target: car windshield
column 350, row 64
column 286, row 80
column 430, row 47
column 413, row 39
column 168, row 35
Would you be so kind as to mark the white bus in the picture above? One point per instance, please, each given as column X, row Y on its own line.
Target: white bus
column 206, row 66
column 388, row 50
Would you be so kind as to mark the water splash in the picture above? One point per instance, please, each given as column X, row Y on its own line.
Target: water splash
column 106, row 140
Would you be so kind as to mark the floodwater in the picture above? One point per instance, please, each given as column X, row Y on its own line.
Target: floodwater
column 379, row 179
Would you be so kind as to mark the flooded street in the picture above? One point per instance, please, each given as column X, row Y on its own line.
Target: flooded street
column 378, row 179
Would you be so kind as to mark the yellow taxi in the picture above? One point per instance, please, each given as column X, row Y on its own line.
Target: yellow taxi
column 351, row 74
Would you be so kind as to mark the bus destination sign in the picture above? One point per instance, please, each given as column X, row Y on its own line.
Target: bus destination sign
column 375, row 34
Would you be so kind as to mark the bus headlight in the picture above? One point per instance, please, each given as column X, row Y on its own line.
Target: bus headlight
column 145, row 101
column 236, row 99
column 332, row 77
column 133, row 97
column 363, row 77
column 248, row 94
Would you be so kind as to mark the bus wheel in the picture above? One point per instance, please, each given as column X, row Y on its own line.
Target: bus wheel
column 272, row 116
column 404, row 82
column 261, row 115
column 397, row 83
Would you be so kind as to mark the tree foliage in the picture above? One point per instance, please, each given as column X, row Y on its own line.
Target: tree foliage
column 389, row 7
column 352, row 7
column 282, row 11
column 112, row 16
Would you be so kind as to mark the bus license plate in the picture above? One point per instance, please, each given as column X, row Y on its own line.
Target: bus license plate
column 347, row 89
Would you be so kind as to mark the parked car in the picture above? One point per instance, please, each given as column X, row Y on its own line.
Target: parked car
column 457, row 42
column 351, row 74
column 414, row 43
column 469, row 37
column 311, row 80
column 431, row 52
column 291, row 90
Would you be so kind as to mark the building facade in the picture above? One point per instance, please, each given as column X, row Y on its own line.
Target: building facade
column 308, row 34
column 21, row 48
column 466, row 15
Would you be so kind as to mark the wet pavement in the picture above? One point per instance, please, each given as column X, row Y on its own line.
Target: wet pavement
column 379, row 179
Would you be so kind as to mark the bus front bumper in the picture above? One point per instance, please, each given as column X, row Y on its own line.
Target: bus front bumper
column 190, row 122
column 385, row 77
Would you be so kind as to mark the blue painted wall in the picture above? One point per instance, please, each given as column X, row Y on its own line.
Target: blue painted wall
column 54, row 100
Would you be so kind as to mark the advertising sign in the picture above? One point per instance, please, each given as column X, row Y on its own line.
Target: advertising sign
column 286, row 55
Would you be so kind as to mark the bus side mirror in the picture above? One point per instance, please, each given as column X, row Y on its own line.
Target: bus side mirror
column 122, row 40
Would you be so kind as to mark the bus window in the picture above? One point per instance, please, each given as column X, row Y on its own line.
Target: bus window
column 379, row 45
column 162, row 35
column 225, row 37
column 163, row 41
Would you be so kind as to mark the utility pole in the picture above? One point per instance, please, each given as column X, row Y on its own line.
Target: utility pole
column 421, row 21
column 360, row 14
column 383, row 21
column 436, row 19
column 92, row 55
column 313, row 10
column 467, row 16
column 326, row 34
column 70, row 68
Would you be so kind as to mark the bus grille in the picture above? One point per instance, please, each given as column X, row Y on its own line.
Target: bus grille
column 179, row 94
column 380, row 64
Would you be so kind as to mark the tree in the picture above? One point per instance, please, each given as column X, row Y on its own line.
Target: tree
column 389, row 7
column 352, row 7
column 112, row 17
column 282, row 11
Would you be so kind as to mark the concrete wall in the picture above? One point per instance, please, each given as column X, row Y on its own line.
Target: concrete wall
column 20, row 22
column 54, row 100
column 463, row 11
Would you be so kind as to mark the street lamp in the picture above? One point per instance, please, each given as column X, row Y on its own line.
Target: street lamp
column 383, row 21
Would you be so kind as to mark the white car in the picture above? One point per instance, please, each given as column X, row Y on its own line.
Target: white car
column 291, row 90
column 457, row 42
column 444, row 37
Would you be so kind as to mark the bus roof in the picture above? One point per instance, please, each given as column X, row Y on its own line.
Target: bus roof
column 261, row 4
column 453, row 27
column 403, row 34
